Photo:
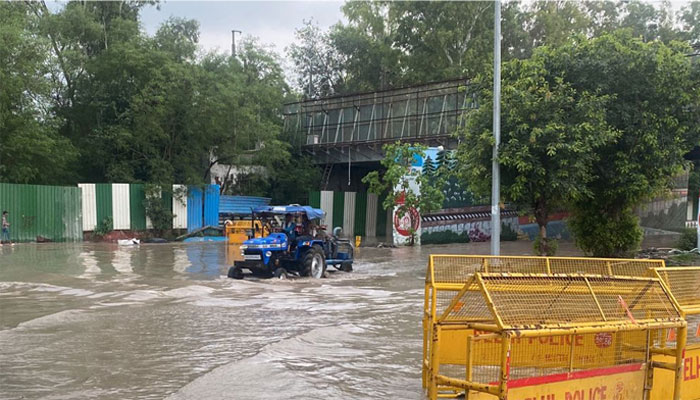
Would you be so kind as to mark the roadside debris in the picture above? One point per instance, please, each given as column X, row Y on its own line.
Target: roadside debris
column 671, row 255
column 128, row 242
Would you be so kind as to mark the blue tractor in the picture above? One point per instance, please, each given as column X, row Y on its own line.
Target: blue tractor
column 296, row 244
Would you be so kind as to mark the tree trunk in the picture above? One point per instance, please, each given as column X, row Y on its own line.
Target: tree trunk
column 542, row 217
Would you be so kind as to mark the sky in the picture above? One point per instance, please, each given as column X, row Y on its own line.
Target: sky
column 273, row 22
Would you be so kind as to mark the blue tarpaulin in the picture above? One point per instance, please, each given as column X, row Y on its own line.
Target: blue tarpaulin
column 312, row 213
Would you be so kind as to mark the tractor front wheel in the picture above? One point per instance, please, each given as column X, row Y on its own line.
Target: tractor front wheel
column 280, row 273
column 314, row 263
column 235, row 273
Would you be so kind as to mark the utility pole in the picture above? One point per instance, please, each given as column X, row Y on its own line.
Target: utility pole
column 495, row 167
column 233, row 42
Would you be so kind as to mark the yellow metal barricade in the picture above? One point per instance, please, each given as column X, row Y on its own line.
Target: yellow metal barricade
column 684, row 284
column 540, row 336
column 447, row 273
column 238, row 231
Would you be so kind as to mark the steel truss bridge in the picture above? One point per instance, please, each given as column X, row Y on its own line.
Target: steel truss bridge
column 353, row 128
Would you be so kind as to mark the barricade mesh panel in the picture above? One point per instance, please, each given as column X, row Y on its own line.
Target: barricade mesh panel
column 458, row 268
column 443, row 299
column 542, row 300
column 684, row 284
column 470, row 307
column 533, row 300
column 454, row 269
column 641, row 298
column 525, row 265
column 693, row 328
column 606, row 267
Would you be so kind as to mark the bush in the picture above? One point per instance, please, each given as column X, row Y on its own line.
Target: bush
column 103, row 227
column 550, row 246
column 508, row 234
column 604, row 235
column 161, row 217
column 444, row 237
column 688, row 240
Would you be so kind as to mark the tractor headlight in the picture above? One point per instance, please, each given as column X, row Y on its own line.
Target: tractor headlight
column 268, row 253
column 243, row 247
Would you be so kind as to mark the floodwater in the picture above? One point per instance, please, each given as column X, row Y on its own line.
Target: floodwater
column 100, row 321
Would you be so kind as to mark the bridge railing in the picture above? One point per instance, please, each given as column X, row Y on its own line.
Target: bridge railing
column 425, row 111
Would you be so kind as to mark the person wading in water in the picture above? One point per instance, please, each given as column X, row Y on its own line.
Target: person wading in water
column 5, row 238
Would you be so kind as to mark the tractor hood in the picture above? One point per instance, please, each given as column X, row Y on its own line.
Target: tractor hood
column 271, row 239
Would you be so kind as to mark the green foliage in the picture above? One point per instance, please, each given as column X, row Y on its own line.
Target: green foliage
column 156, row 210
column 508, row 234
column 545, row 246
column 444, row 237
column 88, row 96
column 688, row 240
column 385, row 44
column 653, row 113
column 317, row 61
column 288, row 177
column 31, row 151
column 605, row 234
column 104, row 227
column 400, row 178
column 551, row 133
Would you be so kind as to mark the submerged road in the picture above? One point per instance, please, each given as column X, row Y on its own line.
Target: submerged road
column 100, row 321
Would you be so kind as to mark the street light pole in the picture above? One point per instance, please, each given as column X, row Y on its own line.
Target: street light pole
column 495, row 168
column 233, row 42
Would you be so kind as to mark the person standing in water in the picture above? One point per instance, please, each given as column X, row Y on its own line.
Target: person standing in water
column 5, row 238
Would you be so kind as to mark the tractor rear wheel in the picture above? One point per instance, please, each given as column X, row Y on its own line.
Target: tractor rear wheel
column 346, row 266
column 314, row 263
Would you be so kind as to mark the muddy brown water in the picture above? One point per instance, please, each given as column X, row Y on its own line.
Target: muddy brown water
column 100, row 321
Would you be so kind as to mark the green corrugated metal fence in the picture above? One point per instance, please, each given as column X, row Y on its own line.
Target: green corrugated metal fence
column 52, row 212
column 137, row 196
column 103, row 201
column 360, row 224
column 315, row 199
column 167, row 197
column 338, row 208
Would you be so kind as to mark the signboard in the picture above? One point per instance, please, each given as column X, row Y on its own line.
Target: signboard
column 690, row 386
column 624, row 382
column 616, row 383
column 590, row 351
column 411, row 219
column 403, row 224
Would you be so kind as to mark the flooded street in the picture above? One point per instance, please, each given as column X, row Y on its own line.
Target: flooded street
column 156, row 321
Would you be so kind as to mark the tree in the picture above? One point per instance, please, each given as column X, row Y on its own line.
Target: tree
column 551, row 133
column 655, row 111
column 429, row 168
column 31, row 151
column 317, row 62
column 398, row 181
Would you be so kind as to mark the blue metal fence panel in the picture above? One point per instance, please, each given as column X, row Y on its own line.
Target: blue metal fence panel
column 211, row 205
column 195, row 200
column 240, row 204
